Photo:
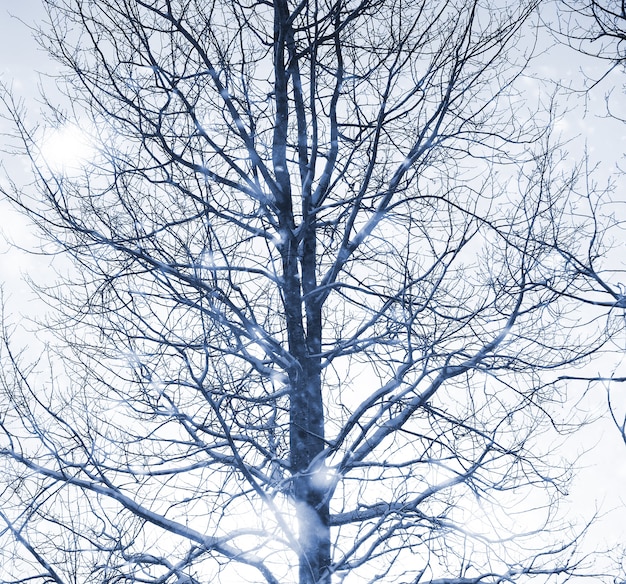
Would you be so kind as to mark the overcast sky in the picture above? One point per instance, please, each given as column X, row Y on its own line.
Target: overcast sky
column 601, row 483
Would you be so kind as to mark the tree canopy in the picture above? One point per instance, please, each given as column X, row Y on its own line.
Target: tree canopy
column 329, row 268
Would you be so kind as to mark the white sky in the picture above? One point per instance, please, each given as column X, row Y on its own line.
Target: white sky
column 19, row 59
column 600, row 483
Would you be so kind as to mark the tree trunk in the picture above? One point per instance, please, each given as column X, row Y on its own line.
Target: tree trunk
column 309, row 482
column 306, row 423
column 306, row 429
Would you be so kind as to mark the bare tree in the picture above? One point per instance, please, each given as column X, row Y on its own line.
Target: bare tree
column 326, row 265
column 595, row 27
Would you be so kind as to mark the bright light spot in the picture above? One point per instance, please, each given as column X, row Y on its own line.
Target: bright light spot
column 324, row 477
column 278, row 378
column 156, row 387
column 256, row 333
column 67, row 149
column 279, row 239
column 206, row 260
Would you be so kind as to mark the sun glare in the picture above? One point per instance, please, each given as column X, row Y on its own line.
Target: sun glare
column 66, row 149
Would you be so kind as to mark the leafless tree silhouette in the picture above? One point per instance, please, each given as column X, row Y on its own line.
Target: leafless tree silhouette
column 328, row 268
column 595, row 27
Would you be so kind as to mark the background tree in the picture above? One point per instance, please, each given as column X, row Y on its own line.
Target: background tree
column 326, row 263
column 595, row 27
